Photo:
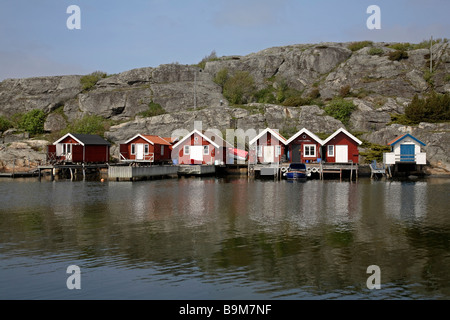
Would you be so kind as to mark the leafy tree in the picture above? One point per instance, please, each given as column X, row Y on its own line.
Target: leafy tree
column 434, row 107
column 5, row 124
column 33, row 121
column 239, row 88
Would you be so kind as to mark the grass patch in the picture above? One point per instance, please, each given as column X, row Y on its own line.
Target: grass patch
column 376, row 51
column 355, row 46
column 398, row 55
column 154, row 109
column 90, row 80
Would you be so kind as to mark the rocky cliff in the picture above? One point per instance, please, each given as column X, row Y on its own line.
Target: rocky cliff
column 377, row 85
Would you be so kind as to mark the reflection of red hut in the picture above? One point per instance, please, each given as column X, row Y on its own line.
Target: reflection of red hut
column 145, row 148
column 304, row 147
column 79, row 148
column 341, row 147
column 198, row 148
column 267, row 147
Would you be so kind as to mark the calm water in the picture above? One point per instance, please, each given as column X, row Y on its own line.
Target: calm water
column 224, row 239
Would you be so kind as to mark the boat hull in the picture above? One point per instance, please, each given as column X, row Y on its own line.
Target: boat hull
column 295, row 175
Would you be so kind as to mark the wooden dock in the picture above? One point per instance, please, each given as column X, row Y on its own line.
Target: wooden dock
column 72, row 170
column 338, row 168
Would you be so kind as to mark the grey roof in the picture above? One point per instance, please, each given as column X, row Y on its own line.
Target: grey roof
column 91, row 139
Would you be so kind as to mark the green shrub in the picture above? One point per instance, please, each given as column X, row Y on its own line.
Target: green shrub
column 401, row 46
column 239, row 88
column 374, row 151
column 397, row 55
column 221, row 77
column 434, row 107
column 375, row 51
column 154, row 109
column 340, row 109
column 355, row 46
column 5, row 124
column 33, row 121
column 90, row 80
column 89, row 124
column 265, row 95
column 447, row 78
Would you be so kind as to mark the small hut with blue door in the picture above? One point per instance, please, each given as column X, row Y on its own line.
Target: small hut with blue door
column 406, row 154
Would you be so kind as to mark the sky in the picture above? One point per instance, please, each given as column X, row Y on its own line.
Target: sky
column 117, row 36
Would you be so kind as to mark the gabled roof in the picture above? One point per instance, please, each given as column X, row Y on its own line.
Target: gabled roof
column 400, row 138
column 343, row 131
column 152, row 139
column 306, row 131
column 201, row 135
column 272, row 132
column 85, row 139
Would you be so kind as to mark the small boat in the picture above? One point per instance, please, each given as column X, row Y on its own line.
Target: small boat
column 296, row 171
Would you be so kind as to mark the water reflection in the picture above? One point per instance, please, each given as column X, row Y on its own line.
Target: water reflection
column 264, row 239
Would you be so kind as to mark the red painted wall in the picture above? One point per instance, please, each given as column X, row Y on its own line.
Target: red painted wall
column 214, row 154
column 92, row 153
column 342, row 139
column 266, row 140
column 125, row 149
column 300, row 141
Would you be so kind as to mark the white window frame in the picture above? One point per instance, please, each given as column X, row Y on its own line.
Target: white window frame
column 186, row 150
column 67, row 148
column 277, row 151
column 133, row 148
column 309, row 150
column 146, row 149
column 259, row 149
column 330, row 148
column 205, row 150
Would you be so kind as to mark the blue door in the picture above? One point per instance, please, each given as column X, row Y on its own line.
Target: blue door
column 407, row 152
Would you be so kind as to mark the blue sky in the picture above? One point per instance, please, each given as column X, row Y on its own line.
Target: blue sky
column 116, row 36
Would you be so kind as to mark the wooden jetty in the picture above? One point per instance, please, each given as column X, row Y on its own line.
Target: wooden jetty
column 338, row 168
column 72, row 169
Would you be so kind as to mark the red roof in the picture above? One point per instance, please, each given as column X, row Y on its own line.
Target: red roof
column 156, row 140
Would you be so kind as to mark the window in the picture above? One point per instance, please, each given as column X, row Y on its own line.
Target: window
column 259, row 148
column 331, row 151
column 133, row 148
column 186, row 150
column 146, row 149
column 162, row 150
column 205, row 150
column 67, row 148
column 277, row 151
column 309, row 150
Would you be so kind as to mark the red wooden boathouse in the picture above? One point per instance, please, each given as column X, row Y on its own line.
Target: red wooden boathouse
column 267, row 147
column 304, row 147
column 79, row 148
column 146, row 148
column 341, row 147
column 200, row 148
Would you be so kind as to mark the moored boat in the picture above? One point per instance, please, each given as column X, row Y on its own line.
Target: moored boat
column 296, row 171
